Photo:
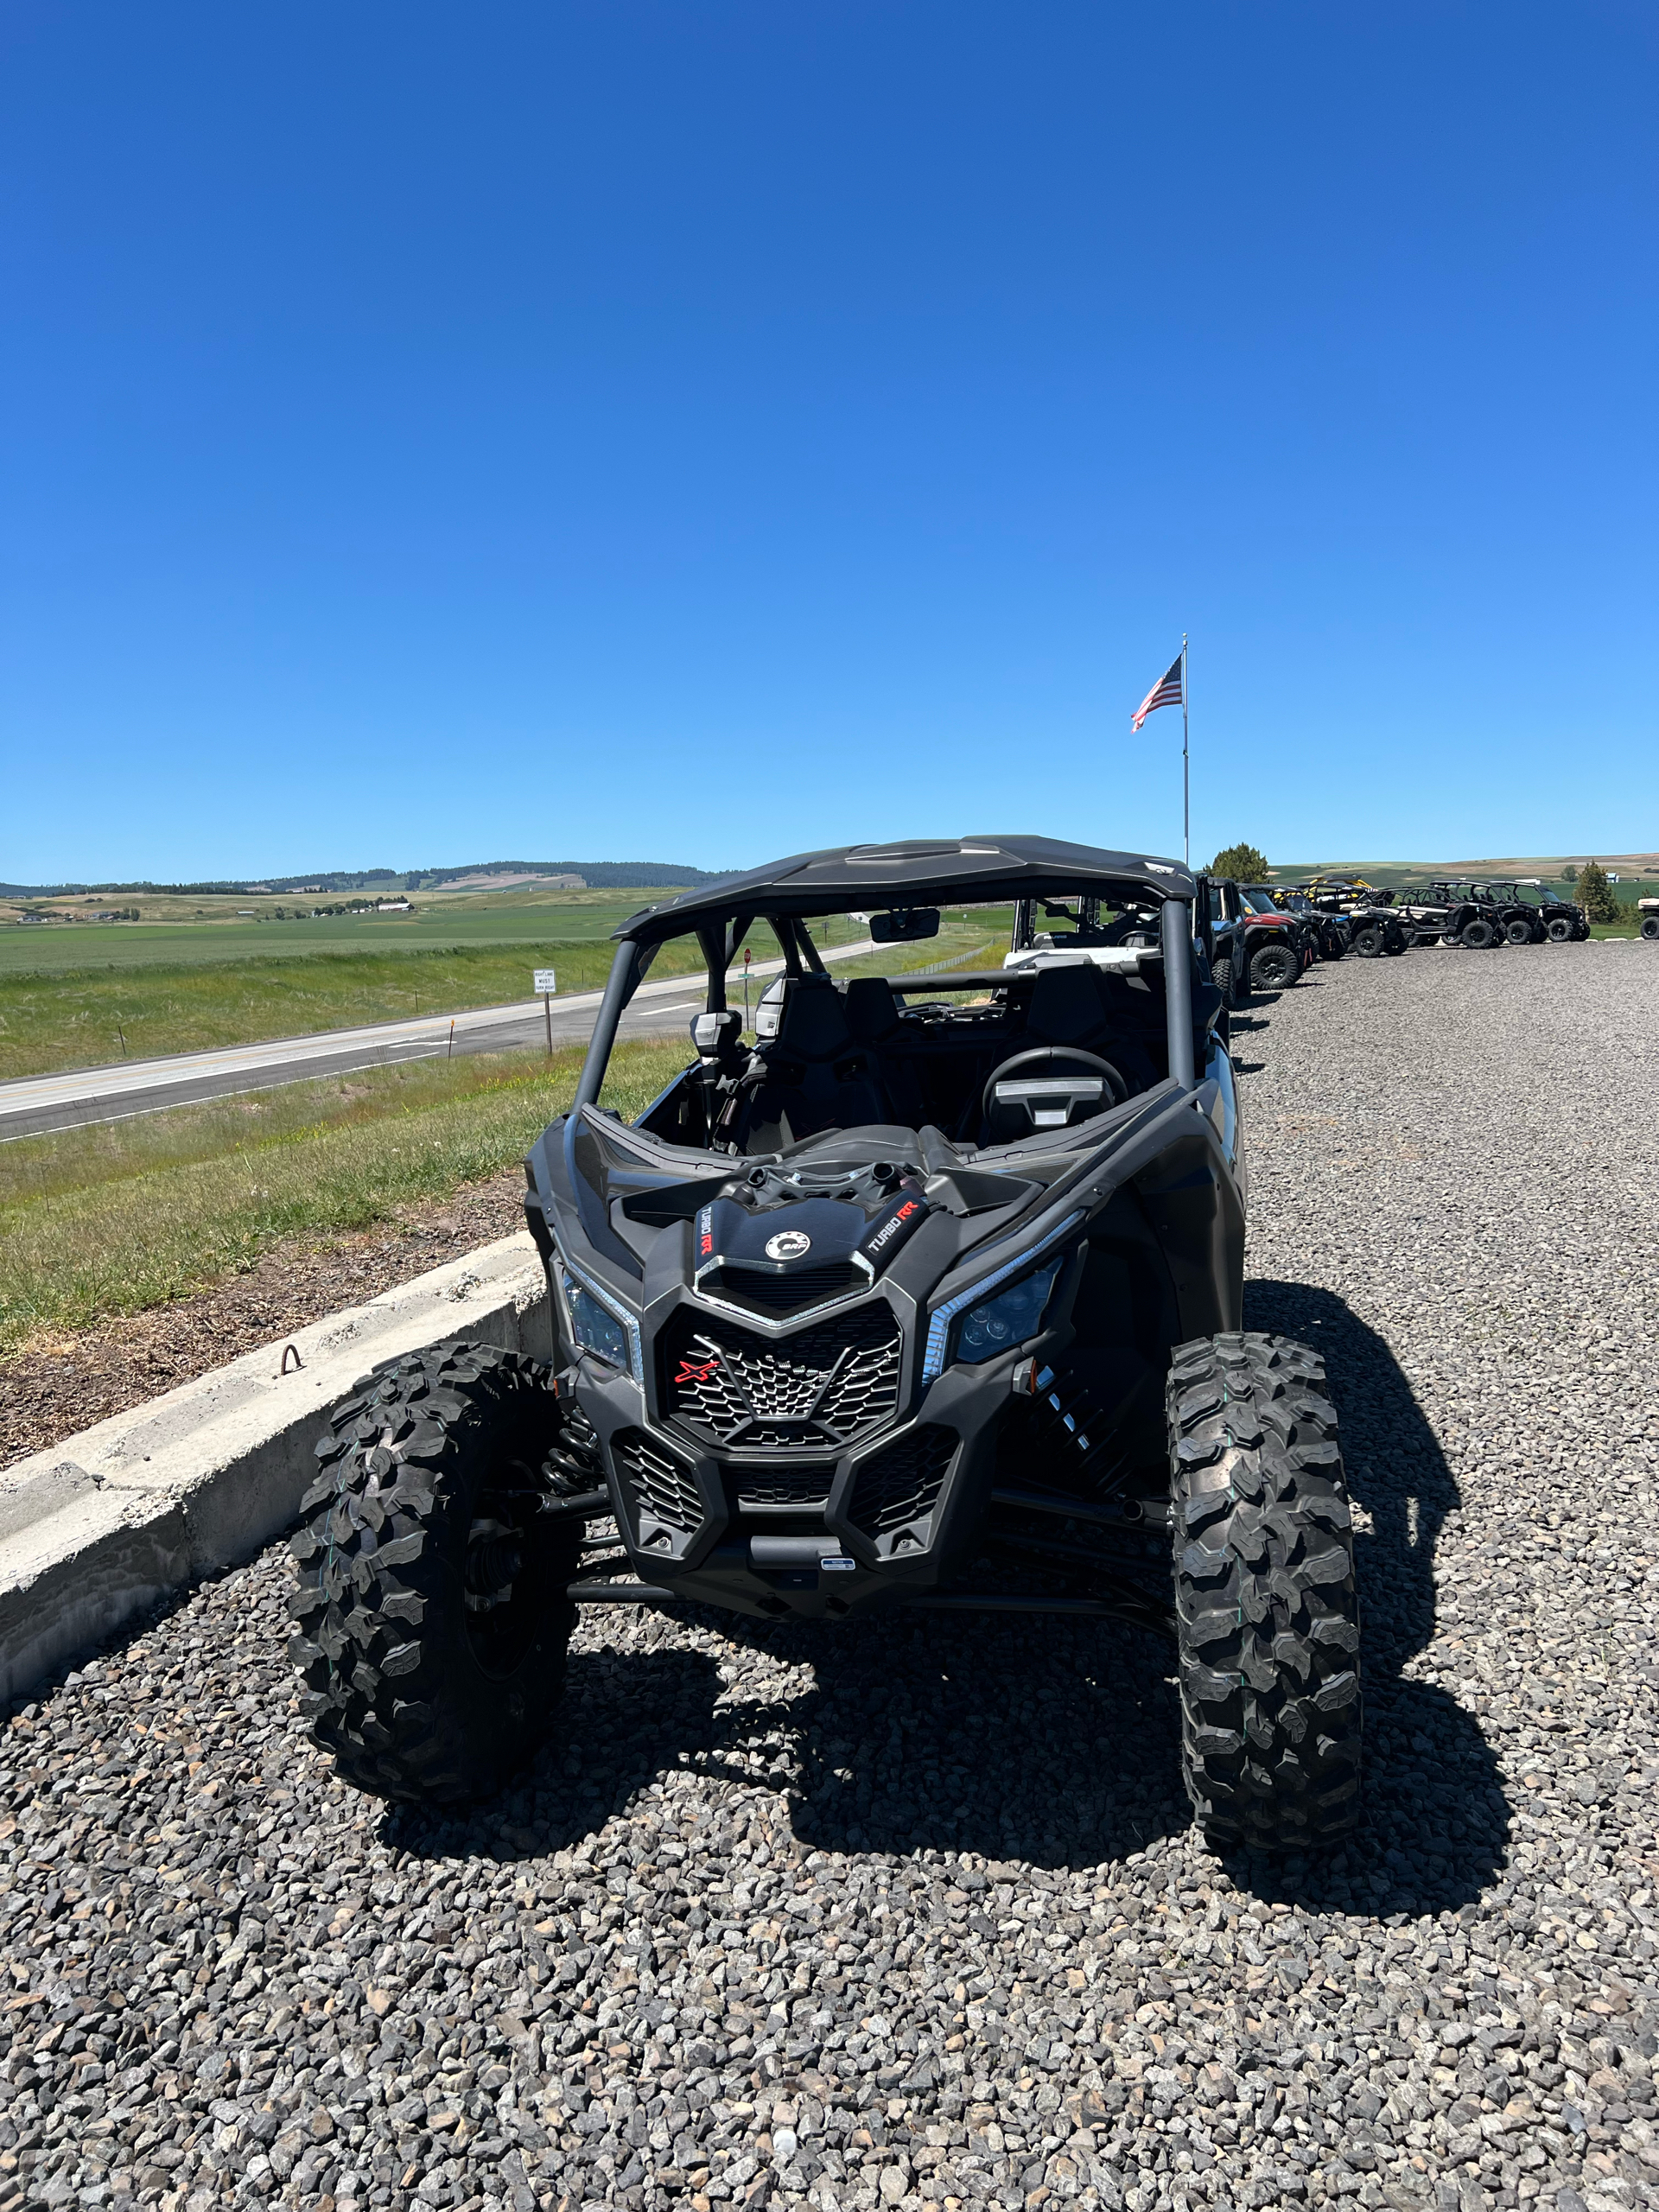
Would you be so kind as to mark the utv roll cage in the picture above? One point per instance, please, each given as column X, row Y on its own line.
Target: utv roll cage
column 1131, row 923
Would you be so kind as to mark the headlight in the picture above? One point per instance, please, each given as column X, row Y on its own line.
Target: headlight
column 997, row 1324
column 995, row 1317
column 600, row 1324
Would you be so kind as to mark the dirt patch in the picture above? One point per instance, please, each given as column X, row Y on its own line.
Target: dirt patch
column 50, row 1391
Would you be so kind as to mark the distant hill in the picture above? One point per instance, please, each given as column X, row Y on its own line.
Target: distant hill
column 1547, row 867
column 600, row 874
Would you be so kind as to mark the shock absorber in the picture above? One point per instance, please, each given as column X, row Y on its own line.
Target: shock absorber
column 1069, row 1419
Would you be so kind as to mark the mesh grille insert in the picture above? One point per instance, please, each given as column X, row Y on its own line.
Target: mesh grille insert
column 827, row 1382
column 903, row 1483
column 661, row 1486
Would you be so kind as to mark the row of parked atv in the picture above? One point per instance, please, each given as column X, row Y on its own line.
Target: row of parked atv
column 1261, row 936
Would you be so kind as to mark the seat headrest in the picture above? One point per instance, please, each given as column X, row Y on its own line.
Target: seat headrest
column 1065, row 1005
column 813, row 1023
column 872, row 1009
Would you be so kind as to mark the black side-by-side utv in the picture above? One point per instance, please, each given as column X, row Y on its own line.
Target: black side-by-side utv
column 926, row 1294
column 1548, row 919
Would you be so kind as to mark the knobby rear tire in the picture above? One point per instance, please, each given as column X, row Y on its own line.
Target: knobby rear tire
column 431, row 1620
column 1267, row 1611
column 1275, row 968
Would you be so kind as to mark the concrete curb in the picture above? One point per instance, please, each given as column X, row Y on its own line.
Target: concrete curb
column 99, row 1526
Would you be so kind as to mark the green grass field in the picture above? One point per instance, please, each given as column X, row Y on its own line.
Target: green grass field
column 86, row 1018
column 116, row 1218
column 89, row 1017
column 171, row 934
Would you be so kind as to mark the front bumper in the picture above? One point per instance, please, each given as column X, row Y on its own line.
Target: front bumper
column 903, row 1502
column 902, row 1498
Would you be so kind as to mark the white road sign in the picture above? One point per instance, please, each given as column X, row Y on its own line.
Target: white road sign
column 546, row 983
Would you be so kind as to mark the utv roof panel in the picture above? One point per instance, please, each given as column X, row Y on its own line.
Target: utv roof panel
column 982, row 871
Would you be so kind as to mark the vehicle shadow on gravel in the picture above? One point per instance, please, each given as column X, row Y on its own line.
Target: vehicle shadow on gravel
column 626, row 1719
column 1035, row 1740
column 1437, row 1817
column 910, row 1734
column 1244, row 1033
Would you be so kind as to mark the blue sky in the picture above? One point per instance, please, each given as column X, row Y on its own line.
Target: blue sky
column 708, row 431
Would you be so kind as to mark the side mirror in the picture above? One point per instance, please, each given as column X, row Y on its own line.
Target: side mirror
column 904, row 925
column 714, row 1035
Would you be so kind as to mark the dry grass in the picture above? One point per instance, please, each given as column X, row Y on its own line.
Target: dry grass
column 117, row 1218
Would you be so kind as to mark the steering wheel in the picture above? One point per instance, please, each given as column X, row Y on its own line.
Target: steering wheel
column 1045, row 1088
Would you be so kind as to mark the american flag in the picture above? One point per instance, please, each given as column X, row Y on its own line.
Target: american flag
column 1166, row 692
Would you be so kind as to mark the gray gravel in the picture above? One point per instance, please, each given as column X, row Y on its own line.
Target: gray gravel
column 913, row 1915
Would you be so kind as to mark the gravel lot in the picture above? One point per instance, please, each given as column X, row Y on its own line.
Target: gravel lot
column 912, row 1915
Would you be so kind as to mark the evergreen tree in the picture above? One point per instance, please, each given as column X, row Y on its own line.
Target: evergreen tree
column 1242, row 862
column 1596, row 894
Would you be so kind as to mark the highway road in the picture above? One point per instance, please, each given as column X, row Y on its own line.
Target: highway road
column 33, row 1105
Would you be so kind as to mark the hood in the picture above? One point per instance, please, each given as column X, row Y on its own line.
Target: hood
column 778, row 1247
column 776, row 1239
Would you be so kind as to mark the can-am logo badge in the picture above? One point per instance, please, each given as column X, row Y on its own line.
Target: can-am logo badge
column 788, row 1244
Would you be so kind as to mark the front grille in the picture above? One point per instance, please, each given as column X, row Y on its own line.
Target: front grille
column 903, row 1483
column 779, row 1296
column 661, row 1487
column 818, row 1388
column 803, row 1486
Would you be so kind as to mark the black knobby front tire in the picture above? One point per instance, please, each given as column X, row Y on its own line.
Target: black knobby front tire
column 431, row 1620
column 1275, row 968
column 1479, row 935
column 1368, row 941
column 1650, row 925
column 1267, row 1614
column 1519, row 932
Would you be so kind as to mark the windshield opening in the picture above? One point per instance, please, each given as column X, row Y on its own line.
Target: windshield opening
column 826, row 1029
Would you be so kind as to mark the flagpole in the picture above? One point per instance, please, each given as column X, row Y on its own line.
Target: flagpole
column 1186, row 781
